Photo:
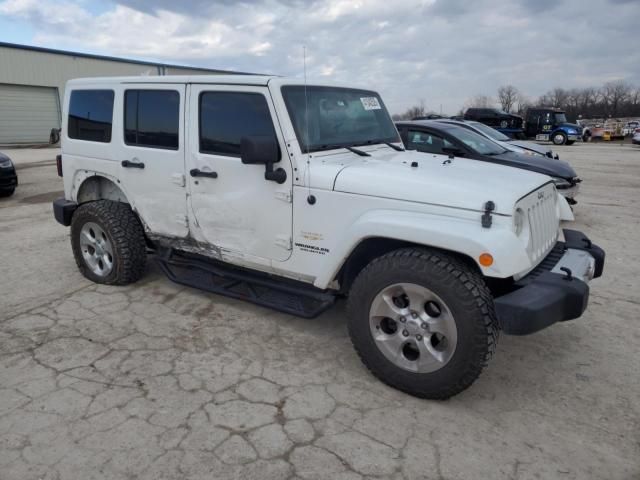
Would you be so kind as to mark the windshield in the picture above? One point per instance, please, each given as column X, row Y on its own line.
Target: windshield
column 490, row 132
column 476, row 142
column 560, row 118
column 337, row 117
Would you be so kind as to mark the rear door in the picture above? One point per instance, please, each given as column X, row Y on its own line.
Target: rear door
column 235, row 208
column 152, row 154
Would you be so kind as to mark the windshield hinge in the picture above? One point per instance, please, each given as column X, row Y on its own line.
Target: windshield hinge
column 178, row 179
column 284, row 195
column 284, row 241
column 182, row 220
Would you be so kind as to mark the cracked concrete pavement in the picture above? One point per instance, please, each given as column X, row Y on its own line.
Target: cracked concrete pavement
column 158, row 381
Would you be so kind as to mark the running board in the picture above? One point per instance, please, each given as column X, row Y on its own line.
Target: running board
column 288, row 296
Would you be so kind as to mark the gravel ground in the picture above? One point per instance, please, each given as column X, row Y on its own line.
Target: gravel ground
column 160, row 381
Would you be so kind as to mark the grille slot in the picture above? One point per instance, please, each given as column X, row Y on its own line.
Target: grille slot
column 540, row 209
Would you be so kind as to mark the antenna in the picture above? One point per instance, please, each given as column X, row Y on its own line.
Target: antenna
column 310, row 198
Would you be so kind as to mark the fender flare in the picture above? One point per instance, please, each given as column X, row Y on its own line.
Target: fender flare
column 90, row 185
column 464, row 236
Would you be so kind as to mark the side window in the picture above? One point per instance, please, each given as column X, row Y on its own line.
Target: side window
column 90, row 115
column 152, row 118
column 425, row 142
column 226, row 117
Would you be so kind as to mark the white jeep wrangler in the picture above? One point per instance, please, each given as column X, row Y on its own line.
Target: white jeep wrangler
column 291, row 195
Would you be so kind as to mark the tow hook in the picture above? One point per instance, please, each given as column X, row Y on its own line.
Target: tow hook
column 569, row 274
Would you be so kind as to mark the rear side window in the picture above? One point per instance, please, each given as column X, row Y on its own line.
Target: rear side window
column 152, row 118
column 90, row 115
column 226, row 117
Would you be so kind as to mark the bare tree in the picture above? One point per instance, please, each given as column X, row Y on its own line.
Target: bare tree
column 412, row 112
column 523, row 103
column 507, row 97
column 479, row 101
column 615, row 93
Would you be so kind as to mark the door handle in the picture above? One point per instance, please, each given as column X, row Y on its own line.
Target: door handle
column 194, row 172
column 130, row 164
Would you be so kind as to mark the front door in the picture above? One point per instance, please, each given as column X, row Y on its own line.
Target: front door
column 152, row 154
column 234, row 208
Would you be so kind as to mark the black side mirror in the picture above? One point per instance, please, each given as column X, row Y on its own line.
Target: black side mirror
column 263, row 150
column 259, row 150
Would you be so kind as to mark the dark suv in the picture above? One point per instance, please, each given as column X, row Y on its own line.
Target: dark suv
column 511, row 125
column 8, row 177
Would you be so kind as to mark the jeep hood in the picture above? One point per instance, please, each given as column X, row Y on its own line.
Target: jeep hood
column 459, row 183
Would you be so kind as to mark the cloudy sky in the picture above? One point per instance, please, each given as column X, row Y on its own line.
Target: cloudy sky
column 438, row 51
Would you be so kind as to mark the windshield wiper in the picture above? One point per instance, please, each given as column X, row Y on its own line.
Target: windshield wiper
column 357, row 151
column 395, row 147
column 388, row 144
column 347, row 147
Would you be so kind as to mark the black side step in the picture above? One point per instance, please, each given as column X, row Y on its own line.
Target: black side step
column 285, row 295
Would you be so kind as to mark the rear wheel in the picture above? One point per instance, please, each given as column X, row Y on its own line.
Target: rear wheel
column 559, row 138
column 423, row 322
column 108, row 242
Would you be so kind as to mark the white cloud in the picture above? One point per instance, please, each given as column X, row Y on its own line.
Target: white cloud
column 442, row 51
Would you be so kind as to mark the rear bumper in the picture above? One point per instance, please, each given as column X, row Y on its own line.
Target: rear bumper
column 63, row 210
column 555, row 291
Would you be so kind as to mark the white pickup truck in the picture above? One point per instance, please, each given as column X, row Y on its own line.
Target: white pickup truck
column 292, row 195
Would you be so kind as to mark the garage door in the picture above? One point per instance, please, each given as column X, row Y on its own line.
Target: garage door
column 27, row 114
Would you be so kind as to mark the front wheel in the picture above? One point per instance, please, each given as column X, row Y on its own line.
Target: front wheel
column 423, row 322
column 559, row 139
column 7, row 193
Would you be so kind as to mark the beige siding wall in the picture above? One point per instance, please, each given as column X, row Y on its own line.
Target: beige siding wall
column 27, row 67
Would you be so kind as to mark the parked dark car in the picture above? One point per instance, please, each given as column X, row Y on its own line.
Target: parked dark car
column 507, row 123
column 445, row 138
column 8, row 177
column 498, row 137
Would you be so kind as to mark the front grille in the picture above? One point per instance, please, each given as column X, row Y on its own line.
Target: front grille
column 540, row 210
column 546, row 265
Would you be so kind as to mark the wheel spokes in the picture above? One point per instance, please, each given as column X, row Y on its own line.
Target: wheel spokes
column 413, row 327
column 97, row 249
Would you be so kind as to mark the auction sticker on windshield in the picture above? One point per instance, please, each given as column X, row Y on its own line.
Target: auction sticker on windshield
column 370, row 103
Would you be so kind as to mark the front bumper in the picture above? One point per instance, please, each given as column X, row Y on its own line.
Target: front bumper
column 8, row 179
column 556, row 290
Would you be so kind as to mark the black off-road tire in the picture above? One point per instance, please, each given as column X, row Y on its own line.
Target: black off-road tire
column 7, row 193
column 466, row 295
column 125, row 233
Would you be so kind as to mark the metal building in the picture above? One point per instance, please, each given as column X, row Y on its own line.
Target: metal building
column 32, row 81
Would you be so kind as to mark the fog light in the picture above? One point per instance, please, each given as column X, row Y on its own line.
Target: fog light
column 486, row 260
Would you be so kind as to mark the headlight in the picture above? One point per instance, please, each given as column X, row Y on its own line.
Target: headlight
column 518, row 221
column 572, row 131
column 560, row 182
column 5, row 163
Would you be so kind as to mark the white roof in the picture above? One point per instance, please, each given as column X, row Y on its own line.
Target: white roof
column 259, row 80
column 220, row 79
